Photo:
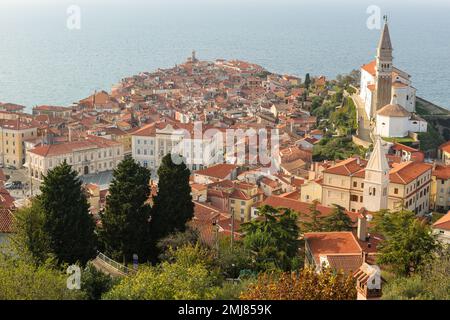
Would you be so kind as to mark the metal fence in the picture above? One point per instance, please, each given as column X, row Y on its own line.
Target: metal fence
column 114, row 264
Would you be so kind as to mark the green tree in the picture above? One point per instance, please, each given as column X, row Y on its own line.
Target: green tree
column 22, row 280
column 188, row 277
column 306, row 284
column 173, row 206
column 307, row 81
column 30, row 239
column 273, row 239
column 338, row 220
column 68, row 224
column 94, row 283
column 408, row 242
column 177, row 240
column 232, row 260
column 313, row 221
column 125, row 223
column 432, row 282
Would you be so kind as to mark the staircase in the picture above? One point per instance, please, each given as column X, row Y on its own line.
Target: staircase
column 110, row 267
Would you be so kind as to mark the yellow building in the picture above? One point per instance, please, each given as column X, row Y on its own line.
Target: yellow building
column 440, row 188
column 234, row 197
column 13, row 133
column 242, row 199
column 444, row 153
column 408, row 186
column 311, row 191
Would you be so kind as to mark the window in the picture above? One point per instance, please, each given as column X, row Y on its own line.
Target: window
column 355, row 184
column 354, row 198
column 361, row 198
column 395, row 190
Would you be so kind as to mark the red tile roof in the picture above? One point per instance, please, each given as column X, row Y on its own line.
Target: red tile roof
column 6, row 221
column 399, row 146
column 148, row 130
column 443, row 223
column 91, row 142
column 348, row 167
column 442, row 172
column 6, row 200
column 370, row 67
column 301, row 207
column 331, row 243
column 220, row 171
column 445, row 147
column 405, row 172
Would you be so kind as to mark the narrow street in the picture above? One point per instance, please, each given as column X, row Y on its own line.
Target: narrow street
column 363, row 121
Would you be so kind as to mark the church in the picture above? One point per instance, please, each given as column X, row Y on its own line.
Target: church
column 388, row 95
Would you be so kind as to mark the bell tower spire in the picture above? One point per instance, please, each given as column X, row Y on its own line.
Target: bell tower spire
column 383, row 69
column 376, row 179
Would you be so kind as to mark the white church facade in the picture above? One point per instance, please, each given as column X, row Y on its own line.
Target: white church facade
column 388, row 95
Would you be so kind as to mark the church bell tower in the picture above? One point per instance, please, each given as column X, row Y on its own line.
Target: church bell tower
column 383, row 69
column 376, row 179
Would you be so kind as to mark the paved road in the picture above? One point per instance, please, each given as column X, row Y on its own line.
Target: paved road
column 363, row 121
column 21, row 175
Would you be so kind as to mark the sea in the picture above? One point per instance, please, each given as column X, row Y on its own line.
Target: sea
column 56, row 52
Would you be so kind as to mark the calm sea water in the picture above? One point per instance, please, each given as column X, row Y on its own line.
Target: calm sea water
column 43, row 62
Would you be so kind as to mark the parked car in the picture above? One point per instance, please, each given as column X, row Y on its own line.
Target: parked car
column 12, row 185
column 8, row 185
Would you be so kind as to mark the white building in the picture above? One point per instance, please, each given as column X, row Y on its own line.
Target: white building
column 442, row 229
column 393, row 120
column 89, row 156
column 376, row 180
column 199, row 148
column 380, row 80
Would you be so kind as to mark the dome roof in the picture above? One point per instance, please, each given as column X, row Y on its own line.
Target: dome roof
column 393, row 110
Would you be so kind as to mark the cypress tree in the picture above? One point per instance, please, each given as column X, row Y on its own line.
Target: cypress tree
column 125, row 223
column 173, row 205
column 67, row 223
column 307, row 81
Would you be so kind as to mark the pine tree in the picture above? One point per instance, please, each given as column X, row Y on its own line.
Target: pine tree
column 338, row 220
column 173, row 206
column 125, row 223
column 68, row 224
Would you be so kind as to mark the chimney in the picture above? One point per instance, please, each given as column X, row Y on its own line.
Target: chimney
column 362, row 225
column 364, row 256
